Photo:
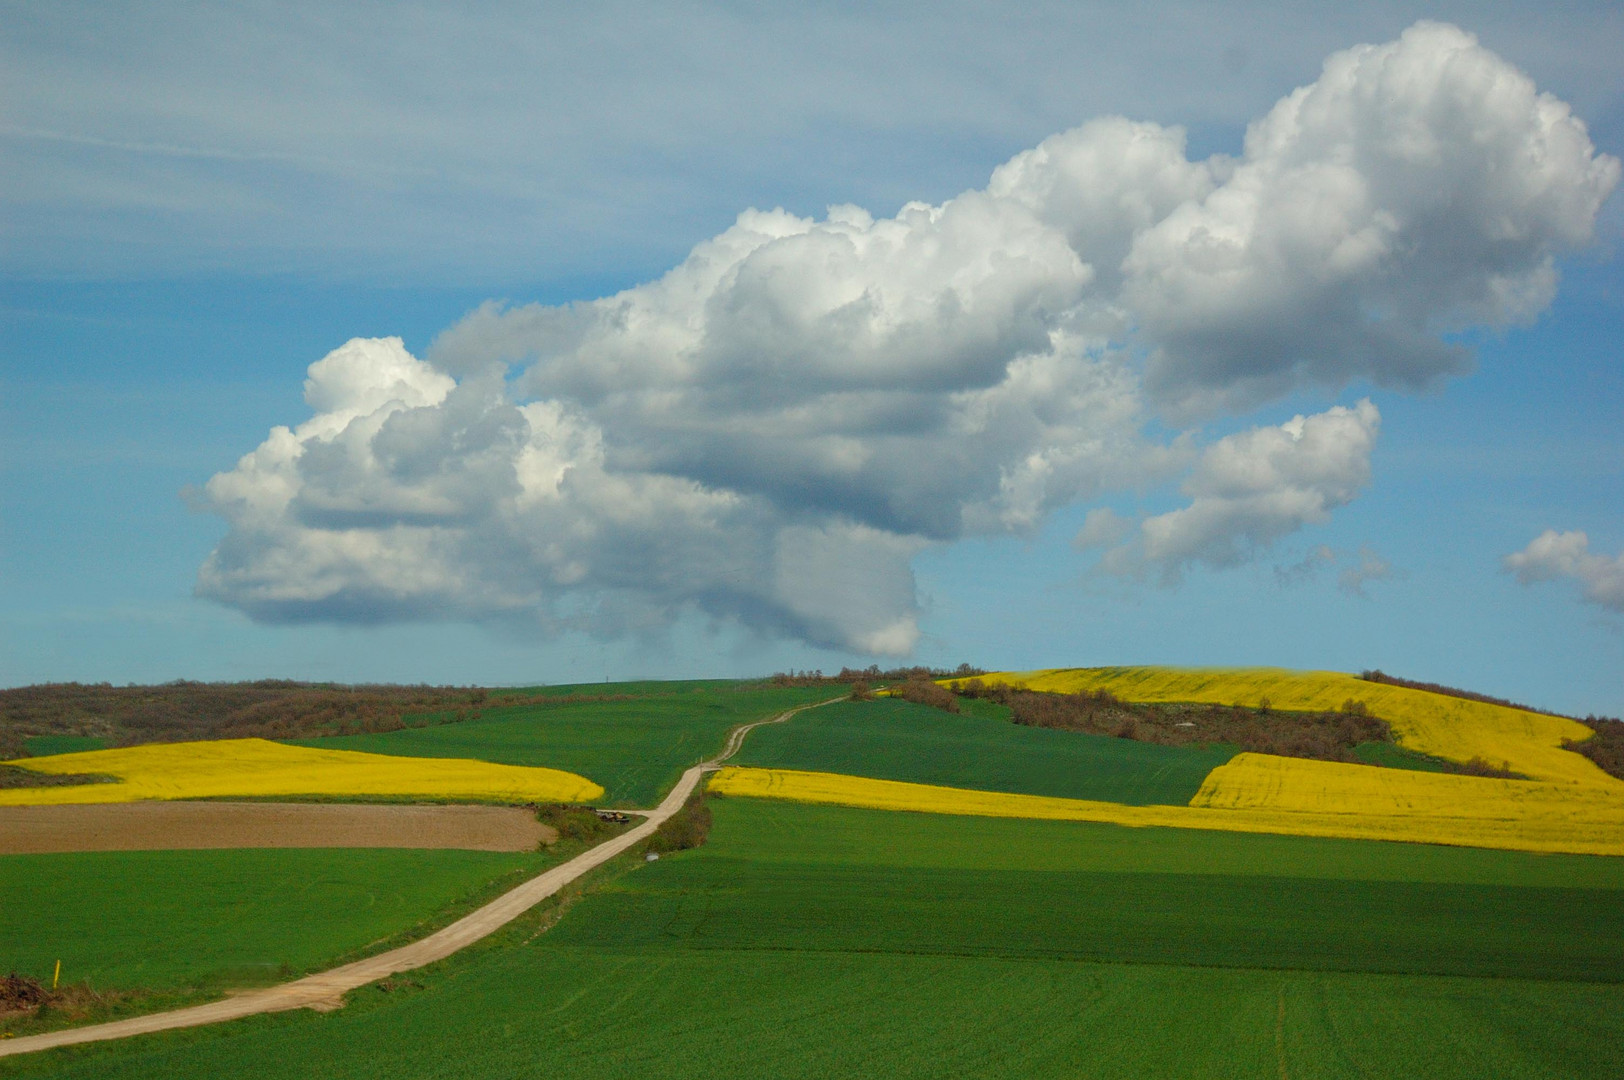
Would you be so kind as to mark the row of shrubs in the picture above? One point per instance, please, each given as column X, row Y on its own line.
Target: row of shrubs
column 687, row 828
column 573, row 822
column 1379, row 676
column 1324, row 736
column 268, row 709
column 180, row 711
column 1606, row 746
column 27, row 1005
column 873, row 674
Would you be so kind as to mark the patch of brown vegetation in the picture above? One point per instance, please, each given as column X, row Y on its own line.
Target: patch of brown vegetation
column 18, row 993
column 1379, row 676
column 13, row 777
column 583, row 823
column 1482, row 767
column 1605, row 747
column 155, row 826
column 268, row 709
column 27, row 1006
column 1328, row 736
column 687, row 828
column 873, row 674
column 924, row 692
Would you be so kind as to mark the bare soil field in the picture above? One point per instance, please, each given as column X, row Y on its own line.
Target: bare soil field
column 150, row 826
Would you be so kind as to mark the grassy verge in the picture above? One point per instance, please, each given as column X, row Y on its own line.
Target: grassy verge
column 687, row 828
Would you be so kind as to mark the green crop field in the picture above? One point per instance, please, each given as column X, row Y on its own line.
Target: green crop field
column 828, row 942
column 898, row 740
column 45, row 745
column 768, row 831
column 636, row 749
column 1191, row 913
column 162, row 920
column 1394, row 756
column 634, row 688
column 626, row 1014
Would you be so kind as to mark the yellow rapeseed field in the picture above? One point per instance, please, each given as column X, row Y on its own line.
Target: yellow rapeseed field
column 1567, row 804
column 1267, row 782
column 1453, row 728
column 243, row 767
column 1545, row 820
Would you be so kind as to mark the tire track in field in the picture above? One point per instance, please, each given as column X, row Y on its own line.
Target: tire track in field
column 325, row 991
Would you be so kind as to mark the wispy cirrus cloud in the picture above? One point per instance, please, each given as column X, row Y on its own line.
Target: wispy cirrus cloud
column 351, row 142
column 1358, row 568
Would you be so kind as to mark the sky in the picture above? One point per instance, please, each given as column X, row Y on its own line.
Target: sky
column 395, row 343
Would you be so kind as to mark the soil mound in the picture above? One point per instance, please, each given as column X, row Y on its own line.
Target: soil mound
column 18, row 993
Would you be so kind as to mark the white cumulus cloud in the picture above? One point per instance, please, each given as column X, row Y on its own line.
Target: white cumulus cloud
column 1417, row 186
column 1249, row 490
column 770, row 431
column 1553, row 555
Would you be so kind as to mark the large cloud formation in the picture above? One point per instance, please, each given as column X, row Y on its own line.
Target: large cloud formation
column 769, row 432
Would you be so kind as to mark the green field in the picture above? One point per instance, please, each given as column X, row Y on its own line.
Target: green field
column 1394, row 756
column 626, row 1014
column 164, row 920
column 946, row 900
column 46, row 745
column 635, row 749
column 979, row 748
column 770, row 831
column 827, row 942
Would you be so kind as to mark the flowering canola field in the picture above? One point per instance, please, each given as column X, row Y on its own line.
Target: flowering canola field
column 1566, row 794
column 248, row 767
column 1453, row 728
column 1547, row 821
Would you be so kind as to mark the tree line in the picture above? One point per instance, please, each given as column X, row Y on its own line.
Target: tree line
column 184, row 711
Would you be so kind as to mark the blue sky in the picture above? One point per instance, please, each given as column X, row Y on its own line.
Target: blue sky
column 198, row 205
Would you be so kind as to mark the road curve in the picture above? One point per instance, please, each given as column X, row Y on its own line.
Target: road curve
column 325, row 991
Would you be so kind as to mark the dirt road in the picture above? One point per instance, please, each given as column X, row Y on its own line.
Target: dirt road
column 325, row 991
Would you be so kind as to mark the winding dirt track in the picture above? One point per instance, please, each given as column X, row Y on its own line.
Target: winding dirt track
column 325, row 991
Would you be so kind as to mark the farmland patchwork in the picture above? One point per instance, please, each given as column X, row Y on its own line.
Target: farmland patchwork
column 1590, row 829
column 815, row 942
column 1457, row 729
column 1566, row 804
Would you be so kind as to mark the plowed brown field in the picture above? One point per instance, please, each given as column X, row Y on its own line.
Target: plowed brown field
column 150, row 826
